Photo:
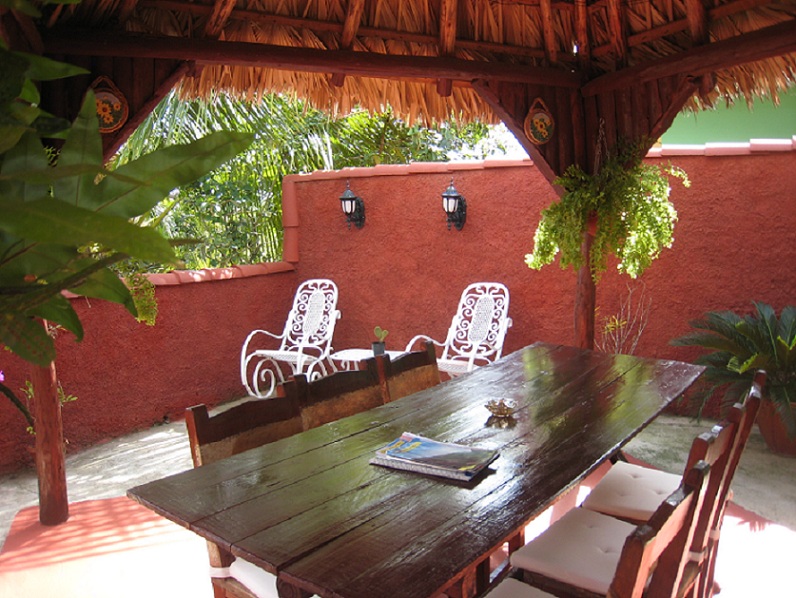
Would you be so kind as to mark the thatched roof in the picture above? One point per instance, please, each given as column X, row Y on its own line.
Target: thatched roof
column 584, row 39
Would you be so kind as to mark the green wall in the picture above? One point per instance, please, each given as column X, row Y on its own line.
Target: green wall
column 737, row 123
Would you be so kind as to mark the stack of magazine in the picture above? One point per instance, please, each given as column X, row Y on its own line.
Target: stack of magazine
column 423, row 455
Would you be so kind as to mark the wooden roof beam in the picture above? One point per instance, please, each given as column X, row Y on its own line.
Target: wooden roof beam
column 582, row 33
column 697, row 21
column 329, row 26
column 222, row 9
column 548, row 31
column 616, row 22
column 126, row 9
column 363, row 64
column 447, row 39
column 353, row 18
column 769, row 42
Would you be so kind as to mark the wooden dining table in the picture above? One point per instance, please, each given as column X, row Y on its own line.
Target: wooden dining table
column 312, row 509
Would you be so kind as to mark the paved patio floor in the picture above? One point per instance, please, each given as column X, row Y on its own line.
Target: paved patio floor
column 765, row 484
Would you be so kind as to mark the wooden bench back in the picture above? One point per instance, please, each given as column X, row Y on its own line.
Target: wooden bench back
column 335, row 396
column 240, row 428
column 408, row 373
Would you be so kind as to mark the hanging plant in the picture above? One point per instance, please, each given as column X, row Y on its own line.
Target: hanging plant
column 627, row 204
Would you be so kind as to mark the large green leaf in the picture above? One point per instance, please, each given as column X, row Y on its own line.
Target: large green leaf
column 58, row 310
column 107, row 285
column 26, row 337
column 28, row 155
column 83, row 146
column 165, row 169
column 42, row 68
column 51, row 221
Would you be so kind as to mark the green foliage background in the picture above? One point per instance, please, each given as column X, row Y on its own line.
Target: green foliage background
column 634, row 217
column 236, row 211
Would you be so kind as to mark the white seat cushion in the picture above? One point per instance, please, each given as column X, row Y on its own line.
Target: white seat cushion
column 259, row 582
column 582, row 548
column 631, row 491
column 512, row 588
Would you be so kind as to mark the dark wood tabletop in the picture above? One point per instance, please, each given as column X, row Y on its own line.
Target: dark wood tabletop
column 311, row 509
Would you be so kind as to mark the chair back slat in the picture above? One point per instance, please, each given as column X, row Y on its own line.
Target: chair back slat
column 408, row 373
column 480, row 323
column 240, row 428
column 312, row 319
column 668, row 533
column 335, row 396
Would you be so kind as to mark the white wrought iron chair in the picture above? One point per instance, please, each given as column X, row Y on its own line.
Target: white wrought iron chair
column 477, row 331
column 305, row 342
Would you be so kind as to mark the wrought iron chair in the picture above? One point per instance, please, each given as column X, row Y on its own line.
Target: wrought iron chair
column 305, row 343
column 477, row 330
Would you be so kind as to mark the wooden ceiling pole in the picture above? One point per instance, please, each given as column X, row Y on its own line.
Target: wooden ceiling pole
column 447, row 39
column 353, row 18
column 222, row 9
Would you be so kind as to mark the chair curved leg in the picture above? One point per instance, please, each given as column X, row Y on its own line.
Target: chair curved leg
column 264, row 377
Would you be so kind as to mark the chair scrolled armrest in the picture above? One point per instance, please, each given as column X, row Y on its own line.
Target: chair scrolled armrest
column 422, row 337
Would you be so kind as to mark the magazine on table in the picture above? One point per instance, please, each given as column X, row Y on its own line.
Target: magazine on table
column 424, row 455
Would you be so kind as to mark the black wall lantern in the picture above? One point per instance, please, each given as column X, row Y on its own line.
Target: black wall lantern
column 455, row 207
column 353, row 207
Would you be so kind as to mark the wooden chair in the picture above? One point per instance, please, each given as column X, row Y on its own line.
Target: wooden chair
column 588, row 554
column 240, row 428
column 335, row 396
column 477, row 330
column 305, row 342
column 627, row 490
column 409, row 373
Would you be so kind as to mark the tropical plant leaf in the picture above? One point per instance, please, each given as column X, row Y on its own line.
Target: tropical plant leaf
column 787, row 325
column 161, row 171
column 59, row 310
column 52, row 221
column 42, row 68
column 106, row 284
column 28, row 155
column 83, row 147
column 26, row 337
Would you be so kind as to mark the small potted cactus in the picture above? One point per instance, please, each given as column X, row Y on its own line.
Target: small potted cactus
column 378, row 344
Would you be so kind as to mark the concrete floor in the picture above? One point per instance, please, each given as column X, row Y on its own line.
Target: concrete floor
column 764, row 483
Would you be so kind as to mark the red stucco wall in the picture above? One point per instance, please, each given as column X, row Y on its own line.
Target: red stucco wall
column 735, row 241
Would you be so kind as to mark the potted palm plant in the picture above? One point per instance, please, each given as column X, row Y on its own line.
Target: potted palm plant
column 739, row 346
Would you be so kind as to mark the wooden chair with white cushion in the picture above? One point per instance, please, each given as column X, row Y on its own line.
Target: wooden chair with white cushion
column 242, row 427
column 408, row 373
column 629, row 491
column 477, row 330
column 588, row 554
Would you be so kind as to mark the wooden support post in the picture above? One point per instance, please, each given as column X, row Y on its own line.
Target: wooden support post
column 586, row 296
column 50, row 460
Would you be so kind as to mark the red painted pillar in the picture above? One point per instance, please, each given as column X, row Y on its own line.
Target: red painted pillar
column 50, row 458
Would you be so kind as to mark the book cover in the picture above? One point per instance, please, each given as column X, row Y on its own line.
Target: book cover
column 424, row 455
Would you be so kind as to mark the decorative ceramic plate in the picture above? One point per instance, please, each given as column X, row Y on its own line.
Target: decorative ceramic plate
column 112, row 109
column 539, row 125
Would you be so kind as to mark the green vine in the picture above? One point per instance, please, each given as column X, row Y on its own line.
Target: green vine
column 634, row 217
